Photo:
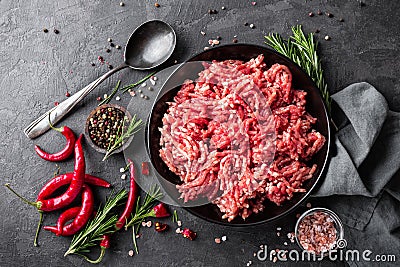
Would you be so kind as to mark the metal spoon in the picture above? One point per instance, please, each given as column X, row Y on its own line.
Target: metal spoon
column 150, row 45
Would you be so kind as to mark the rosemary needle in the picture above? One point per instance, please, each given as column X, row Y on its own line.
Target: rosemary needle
column 108, row 99
column 302, row 50
column 130, row 86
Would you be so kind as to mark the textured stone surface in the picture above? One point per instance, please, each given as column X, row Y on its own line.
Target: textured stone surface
column 37, row 69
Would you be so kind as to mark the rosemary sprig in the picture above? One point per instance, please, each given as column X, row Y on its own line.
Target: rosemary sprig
column 108, row 99
column 142, row 212
column 122, row 135
column 103, row 223
column 302, row 50
column 133, row 85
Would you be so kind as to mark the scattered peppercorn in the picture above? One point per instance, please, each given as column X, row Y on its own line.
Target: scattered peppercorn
column 319, row 12
column 234, row 40
column 316, row 31
column 108, row 50
column 45, row 30
column 99, row 98
column 218, row 38
column 156, row 4
column 118, row 47
column 93, row 64
column 110, row 67
column 67, row 94
column 252, row 26
column 122, row 4
column 109, row 40
column 341, row 20
column 56, row 31
column 212, row 11
column 253, row 3
column 223, row 8
column 330, row 15
column 311, row 14
column 101, row 59
column 362, row 4
column 112, row 44
column 327, row 38
column 246, row 24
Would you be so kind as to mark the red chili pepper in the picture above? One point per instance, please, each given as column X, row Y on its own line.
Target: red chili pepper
column 73, row 190
column 65, row 152
column 54, row 184
column 67, row 215
column 160, row 211
column 130, row 203
column 85, row 212
column 105, row 241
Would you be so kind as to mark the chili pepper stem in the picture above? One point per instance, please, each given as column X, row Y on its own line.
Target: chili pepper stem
column 99, row 259
column 52, row 126
column 35, row 243
column 35, row 204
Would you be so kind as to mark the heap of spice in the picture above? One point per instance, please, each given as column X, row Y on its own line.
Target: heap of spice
column 105, row 125
column 317, row 232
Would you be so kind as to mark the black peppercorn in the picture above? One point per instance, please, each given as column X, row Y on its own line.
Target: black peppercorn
column 56, row 31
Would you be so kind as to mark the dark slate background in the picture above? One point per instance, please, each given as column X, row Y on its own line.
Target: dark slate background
column 36, row 69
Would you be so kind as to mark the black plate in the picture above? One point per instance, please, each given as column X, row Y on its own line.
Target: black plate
column 315, row 106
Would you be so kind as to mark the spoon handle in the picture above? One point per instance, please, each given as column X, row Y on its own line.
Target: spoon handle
column 41, row 124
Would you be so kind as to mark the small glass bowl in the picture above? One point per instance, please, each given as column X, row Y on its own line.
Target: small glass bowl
column 336, row 221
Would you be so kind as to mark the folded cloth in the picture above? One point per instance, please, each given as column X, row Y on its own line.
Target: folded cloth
column 361, row 183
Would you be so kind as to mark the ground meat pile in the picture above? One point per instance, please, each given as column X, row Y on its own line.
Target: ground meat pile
column 239, row 135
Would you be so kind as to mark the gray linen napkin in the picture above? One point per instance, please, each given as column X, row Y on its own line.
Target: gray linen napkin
column 362, row 181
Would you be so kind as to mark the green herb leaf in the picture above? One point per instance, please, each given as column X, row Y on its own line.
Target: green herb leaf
column 142, row 212
column 122, row 137
column 103, row 223
column 133, row 85
column 303, row 51
column 108, row 99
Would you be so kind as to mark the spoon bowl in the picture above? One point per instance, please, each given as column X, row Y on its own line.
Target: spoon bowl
column 150, row 45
